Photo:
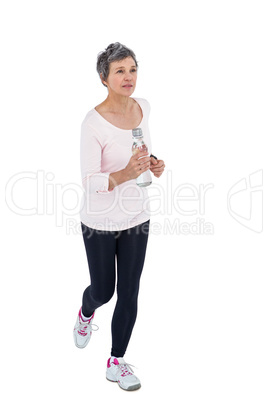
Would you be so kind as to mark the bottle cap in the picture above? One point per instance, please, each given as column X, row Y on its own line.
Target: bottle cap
column 137, row 133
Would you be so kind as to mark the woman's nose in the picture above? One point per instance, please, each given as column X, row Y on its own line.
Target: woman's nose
column 128, row 76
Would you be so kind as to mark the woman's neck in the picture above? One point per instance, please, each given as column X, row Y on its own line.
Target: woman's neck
column 117, row 104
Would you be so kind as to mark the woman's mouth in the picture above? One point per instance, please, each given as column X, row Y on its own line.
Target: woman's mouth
column 127, row 86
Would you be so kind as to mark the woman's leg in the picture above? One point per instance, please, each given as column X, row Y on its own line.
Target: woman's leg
column 100, row 249
column 131, row 250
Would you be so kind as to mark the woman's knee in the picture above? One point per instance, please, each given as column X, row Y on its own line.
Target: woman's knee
column 102, row 296
column 128, row 294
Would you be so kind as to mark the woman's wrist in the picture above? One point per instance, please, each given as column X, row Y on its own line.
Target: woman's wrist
column 117, row 178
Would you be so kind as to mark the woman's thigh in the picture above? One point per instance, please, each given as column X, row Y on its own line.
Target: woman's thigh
column 131, row 251
column 100, row 249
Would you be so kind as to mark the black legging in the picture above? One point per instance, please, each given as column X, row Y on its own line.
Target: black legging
column 130, row 248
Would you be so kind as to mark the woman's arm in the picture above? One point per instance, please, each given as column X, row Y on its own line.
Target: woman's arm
column 96, row 181
column 93, row 179
column 137, row 164
column 117, row 178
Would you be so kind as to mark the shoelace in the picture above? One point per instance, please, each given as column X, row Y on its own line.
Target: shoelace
column 83, row 326
column 126, row 369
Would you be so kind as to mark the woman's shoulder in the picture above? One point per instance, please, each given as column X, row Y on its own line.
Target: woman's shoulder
column 142, row 101
column 90, row 117
column 145, row 105
column 91, row 121
column 91, row 125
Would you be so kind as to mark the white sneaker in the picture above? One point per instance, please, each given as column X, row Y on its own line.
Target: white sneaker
column 119, row 371
column 83, row 330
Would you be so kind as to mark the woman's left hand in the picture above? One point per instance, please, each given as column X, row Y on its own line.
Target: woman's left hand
column 157, row 166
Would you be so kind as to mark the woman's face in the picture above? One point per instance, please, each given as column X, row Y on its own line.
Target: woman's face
column 122, row 77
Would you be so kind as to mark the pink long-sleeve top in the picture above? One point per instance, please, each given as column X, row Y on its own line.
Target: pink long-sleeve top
column 105, row 149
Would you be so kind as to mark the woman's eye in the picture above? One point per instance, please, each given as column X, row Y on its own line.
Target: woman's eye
column 132, row 71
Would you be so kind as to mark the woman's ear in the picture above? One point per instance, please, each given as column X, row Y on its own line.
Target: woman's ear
column 102, row 80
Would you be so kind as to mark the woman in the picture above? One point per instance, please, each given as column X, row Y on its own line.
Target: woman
column 115, row 214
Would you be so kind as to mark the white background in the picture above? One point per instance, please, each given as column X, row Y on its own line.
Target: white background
column 201, row 331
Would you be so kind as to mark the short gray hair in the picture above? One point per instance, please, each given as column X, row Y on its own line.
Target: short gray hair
column 114, row 52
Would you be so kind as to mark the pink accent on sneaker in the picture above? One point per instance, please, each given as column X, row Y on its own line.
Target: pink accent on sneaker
column 125, row 372
column 80, row 316
column 83, row 332
column 115, row 361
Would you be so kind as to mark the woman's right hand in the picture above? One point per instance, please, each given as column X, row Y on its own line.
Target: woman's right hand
column 137, row 166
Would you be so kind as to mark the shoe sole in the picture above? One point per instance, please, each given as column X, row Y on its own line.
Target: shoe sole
column 80, row 346
column 130, row 388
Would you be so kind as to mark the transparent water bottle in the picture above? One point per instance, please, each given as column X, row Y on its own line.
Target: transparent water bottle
column 145, row 178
